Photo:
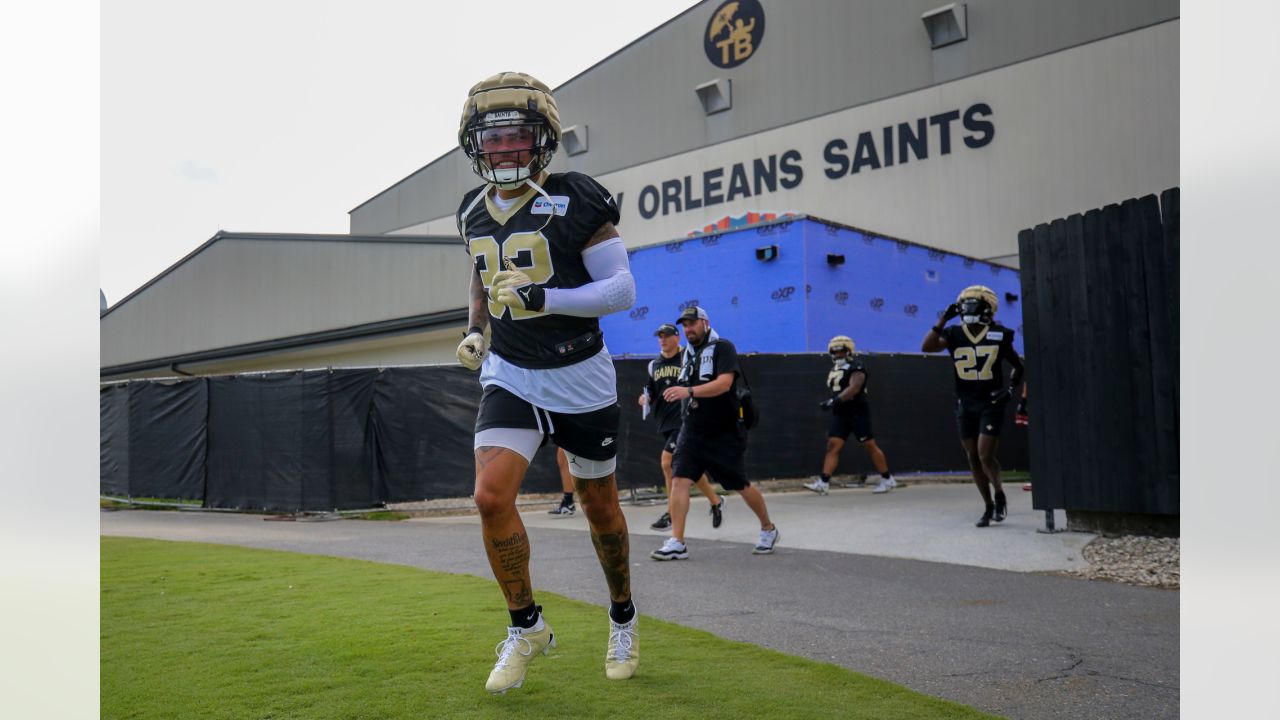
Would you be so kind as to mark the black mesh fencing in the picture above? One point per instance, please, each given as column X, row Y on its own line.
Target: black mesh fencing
column 349, row 439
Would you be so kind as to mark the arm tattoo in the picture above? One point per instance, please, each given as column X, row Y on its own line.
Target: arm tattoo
column 478, row 305
column 606, row 232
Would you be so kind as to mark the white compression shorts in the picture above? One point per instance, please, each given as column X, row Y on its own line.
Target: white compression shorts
column 525, row 442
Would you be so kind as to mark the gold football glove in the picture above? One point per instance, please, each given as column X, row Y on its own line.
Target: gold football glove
column 472, row 349
column 514, row 289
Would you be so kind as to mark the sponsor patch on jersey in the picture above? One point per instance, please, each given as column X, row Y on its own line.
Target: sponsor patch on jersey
column 995, row 335
column 559, row 205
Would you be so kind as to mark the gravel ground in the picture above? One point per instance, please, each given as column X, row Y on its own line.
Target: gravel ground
column 1133, row 560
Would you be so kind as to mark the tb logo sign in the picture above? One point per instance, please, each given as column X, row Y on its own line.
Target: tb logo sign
column 734, row 33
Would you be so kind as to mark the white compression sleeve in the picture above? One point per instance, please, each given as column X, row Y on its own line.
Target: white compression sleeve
column 613, row 288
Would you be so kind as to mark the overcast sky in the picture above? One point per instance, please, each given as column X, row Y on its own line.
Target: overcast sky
column 282, row 116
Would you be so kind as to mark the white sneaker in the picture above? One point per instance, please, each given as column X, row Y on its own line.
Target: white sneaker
column 886, row 484
column 768, row 538
column 672, row 549
column 819, row 486
column 624, row 649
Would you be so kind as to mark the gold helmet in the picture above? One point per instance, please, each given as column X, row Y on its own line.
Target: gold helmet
column 509, row 100
column 978, row 305
column 840, row 342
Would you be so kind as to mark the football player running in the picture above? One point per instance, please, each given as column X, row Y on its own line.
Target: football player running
column 979, row 346
column 850, row 414
column 547, row 263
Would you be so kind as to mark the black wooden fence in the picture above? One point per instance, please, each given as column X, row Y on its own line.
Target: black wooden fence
column 1100, row 312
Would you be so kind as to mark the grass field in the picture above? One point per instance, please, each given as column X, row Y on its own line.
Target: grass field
column 208, row 631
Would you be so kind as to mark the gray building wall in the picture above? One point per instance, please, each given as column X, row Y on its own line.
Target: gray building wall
column 243, row 289
column 816, row 57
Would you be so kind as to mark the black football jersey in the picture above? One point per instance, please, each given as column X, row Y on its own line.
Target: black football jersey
column 979, row 358
column 838, row 379
column 545, row 241
column 719, row 414
column 663, row 373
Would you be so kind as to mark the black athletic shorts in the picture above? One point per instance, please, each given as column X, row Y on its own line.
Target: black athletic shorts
column 723, row 457
column 592, row 435
column 857, row 423
column 669, row 440
column 979, row 417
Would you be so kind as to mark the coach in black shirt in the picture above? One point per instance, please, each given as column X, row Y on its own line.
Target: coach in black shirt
column 712, row 437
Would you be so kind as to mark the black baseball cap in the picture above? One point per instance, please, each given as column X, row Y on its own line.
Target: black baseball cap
column 666, row 329
column 693, row 313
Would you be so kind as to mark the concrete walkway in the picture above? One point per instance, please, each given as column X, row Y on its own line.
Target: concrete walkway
column 899, row 586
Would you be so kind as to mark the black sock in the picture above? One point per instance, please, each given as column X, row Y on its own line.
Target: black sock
column 886, row 474
column 525, row 617
column 568, row 499
column 622, row 612
column 825, row 477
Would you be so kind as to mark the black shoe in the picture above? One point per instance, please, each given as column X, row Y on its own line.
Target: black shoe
column 717, row 514
column 663, row 522
column 1002, row 507
column 985, row 520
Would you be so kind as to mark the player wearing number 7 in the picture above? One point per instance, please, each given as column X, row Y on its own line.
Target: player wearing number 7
column 978, row 346
column 546, row 264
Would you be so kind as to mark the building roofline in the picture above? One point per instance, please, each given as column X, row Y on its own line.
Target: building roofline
column 396, row 326
column 815, row 218
column 284, row 237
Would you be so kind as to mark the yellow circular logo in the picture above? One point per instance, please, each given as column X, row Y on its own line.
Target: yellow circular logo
column 734, row 33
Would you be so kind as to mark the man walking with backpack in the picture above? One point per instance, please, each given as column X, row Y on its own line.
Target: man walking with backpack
column 713, row 437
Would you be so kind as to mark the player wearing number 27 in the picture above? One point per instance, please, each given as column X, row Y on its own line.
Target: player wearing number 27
column 547, row 263
column 979, row 345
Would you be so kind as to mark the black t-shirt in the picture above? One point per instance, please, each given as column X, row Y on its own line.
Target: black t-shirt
column 838, row 379
column 979, row 358
column 551, row 256
column 714, row 415
column 663, row 373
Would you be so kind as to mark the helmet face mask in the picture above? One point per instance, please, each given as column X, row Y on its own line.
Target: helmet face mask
column 840, row 348
column 508, row 147
column 975, row 311
column 510, row 128
column 978, row 305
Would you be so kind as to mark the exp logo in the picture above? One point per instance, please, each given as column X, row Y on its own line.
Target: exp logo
column 783, row 294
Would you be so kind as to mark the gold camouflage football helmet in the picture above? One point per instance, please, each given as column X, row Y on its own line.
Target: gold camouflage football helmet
column 509, row 99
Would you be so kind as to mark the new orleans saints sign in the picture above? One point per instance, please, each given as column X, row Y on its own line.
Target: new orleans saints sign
column 734, row 33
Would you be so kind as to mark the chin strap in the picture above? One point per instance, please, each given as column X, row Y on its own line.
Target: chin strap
column 538, row 189
column 480, row 196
